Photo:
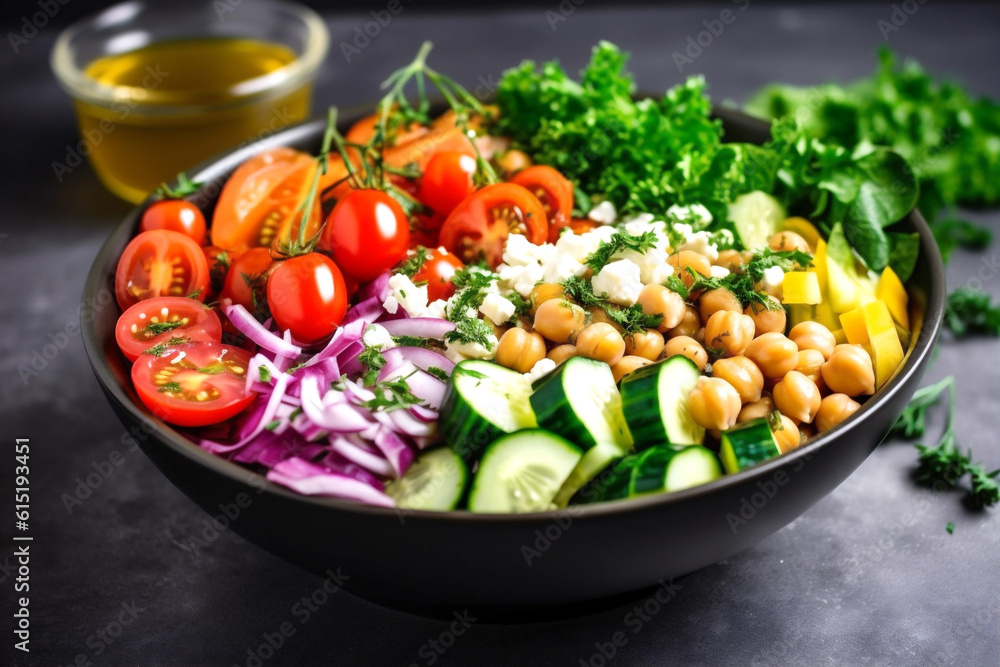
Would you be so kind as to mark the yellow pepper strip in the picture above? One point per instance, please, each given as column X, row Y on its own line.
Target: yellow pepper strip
column 803, row 228
column 891, row 290
column 887, row 351
column 855, row 328
column 801, row 287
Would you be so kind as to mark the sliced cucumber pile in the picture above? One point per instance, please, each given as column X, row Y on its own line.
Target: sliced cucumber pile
column 435, row 481
column 593, row 461
column 757, row 216
column 579, row 400
column 521, row 472
column 748, row 445
column 483, row 401
column 612, row 483
column 655, row 403
column 668, row 468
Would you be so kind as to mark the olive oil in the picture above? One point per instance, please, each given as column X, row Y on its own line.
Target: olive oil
column 180, row 102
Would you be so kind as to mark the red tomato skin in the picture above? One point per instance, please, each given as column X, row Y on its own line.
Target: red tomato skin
column 367, row 232
column 233, row 396
column 307, row 295
column 437, row 271
column 204, row 324
column 159, row 247
column 176, row 215
column 553, row 190
column 447, row 180
column 253, row 263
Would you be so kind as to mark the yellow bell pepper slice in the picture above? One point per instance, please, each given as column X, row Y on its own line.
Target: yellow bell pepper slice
column 819, row 264
column 891, row 290
column 886, row 350
column 801, row 287
column 855, row 327
column 803, row 228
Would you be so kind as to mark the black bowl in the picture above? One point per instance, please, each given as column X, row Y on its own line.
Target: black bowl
column 440, row 560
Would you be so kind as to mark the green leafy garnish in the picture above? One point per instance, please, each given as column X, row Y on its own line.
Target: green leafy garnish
column 985, row 489
column 439, row 373
column 412, row 341
column 264, row 374
column 170, row 388
column 411, row 265
column 158, row 349
column 214, row 369
column 185, row 187
column 630, row 318
column 271, row 425
column 391, row 395
column 954, row 233
column 913, row 422
column 950, row 527
column 970, row 311
column 471, row 330
column 621, row 241
column 156, row 328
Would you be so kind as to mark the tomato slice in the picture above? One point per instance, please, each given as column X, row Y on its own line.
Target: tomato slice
column 479, row 226
column 552, row 189
column 176, row 215
column 258, row 204
column 160, row 320
column 245, row 280
column 437, row 271
column 194, row 384
column 160, row 263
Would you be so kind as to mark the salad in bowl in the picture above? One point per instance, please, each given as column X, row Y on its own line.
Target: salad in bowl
column 566, row 295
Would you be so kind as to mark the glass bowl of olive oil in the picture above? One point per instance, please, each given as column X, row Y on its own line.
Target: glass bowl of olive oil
column 160, row 86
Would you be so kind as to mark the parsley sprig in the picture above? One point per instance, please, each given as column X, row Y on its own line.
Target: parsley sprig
column 412, row 265
column 156, row 328
column 630, row 318
column 971, row 311
column 471, row 330
column 620, row 242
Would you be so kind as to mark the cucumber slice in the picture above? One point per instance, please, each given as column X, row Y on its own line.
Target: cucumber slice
column 435, row 481
column 483, row 401
column 611, row 483
column 593, row 461
column 579, row 401
column 748, row 445
column 666, row 468
column 757, row 216
column 655, row 402
column 522, row 472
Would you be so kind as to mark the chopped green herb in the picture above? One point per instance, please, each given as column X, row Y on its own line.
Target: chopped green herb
column 271, row 425
column 620, row 242
column 265, row 375
column 913, row 422
column 412, row 265
column 677, row 285
column 213, row 369
column 471, row 330
column 630, row 318
column 391, row 395
column 970, row 311
column 170, row 388
column 373, row 361
column 439, row 373
column 158, row 349
column 411, row 341
column 156, row 328
column 950, row 527
column 985, row 489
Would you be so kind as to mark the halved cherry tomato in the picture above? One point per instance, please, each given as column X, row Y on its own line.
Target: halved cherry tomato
column 552, row 190
column 194, row 384
column 480, row 225
column 307, row 296
column 258, row 204
column 246, row 277
column 578, row 225
column 176, row 215
column 160, row 263
column 447, row 181
column 367, row 232
column 154, row 321
column 437, row 271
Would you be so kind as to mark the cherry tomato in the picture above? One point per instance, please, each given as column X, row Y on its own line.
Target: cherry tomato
column 154, row 321
column 176, row 215
column 367, row 232
column 246, row 277
column 427, row 238
column 437, row 271
column 258, row 204
column 552, row 190
column 578, row 225
column 218, row 261
column 307, row 296
column 160, row 263
column 480, row 225
column 194, row 384
column 447, row 181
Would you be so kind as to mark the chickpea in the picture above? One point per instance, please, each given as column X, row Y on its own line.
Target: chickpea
column 834, row 409
column 714, row 404
column 627, row 364
column 809, row 364
column 647, row 344
column 787, row 435
column 813, row 336
column 561, row 353
column 520, row 350
column 728, row 333
column 560, row 321
column 767, row 319
column 689, row 258
column 514, row 161
column 699, row 336
column 715, row 300
column 729, row 259
column 743, row 374
column 774, row 354
column 806, row 432
column 762, row 408
column 602, row 342
column 785, row 241
column 598, row 314
column 543, row 292
column 797, row 396
column 849, row 371
column 689, row 324
column 658, row 300
column 687, row 347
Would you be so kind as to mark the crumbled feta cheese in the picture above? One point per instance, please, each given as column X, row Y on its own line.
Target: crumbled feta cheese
column 619, row 282
column 648, row 262
column 578, row 246
column 642, row 218
column 518, row 251
column 437, row 309
column 376, row 335
column 660, row 274
column 402, row 292
column 772, row 278
column 718, row 271
column 459, row 350
column 562, row 267
column 701, row 243
column 497, row 308
column 521, row 279
column 542, row 367
column 696, row 213
column 603, row 213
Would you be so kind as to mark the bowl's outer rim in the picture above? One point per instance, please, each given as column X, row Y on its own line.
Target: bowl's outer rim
column 226, row 162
